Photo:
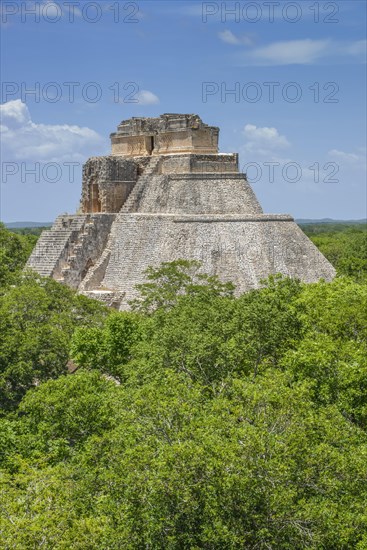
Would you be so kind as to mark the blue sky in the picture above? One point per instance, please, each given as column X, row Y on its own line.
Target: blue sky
column 284, row 81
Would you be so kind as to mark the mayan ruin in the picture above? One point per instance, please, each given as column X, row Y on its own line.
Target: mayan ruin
column 164, row 193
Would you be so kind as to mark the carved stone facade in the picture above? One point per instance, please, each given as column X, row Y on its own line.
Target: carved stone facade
column 169, row 134
column 166, row 193
column 107, row 182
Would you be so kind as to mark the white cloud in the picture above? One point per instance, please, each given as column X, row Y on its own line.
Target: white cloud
column 345, row 156
column 23, row 139
column 145, row 97
column 291, row 51
column 358, row 157
column 304, row 52
column 263, row 140
column 14, row 113
column 357, row 48
column 228, row 37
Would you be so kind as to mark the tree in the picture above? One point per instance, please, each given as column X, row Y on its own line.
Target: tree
column 37, row 319
column 200, row 420
column 345, row 246
column 173, row 279
column 55, row 419
column 14, row 252
column 256, row 466
column 110, row 347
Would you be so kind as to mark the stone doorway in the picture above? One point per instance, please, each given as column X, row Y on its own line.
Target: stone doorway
column 95, row 199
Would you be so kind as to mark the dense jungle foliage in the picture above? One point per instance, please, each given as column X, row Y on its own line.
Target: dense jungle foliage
column 196, row 420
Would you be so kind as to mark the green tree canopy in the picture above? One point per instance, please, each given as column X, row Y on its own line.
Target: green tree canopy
column 198, row 420
column 37, row 319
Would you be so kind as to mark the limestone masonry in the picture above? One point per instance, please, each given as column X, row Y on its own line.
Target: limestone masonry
column 166, row 193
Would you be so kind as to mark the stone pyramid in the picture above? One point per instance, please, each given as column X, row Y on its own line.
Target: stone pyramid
column 166, row 193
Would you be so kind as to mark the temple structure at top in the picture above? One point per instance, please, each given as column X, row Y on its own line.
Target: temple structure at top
column 167, row 135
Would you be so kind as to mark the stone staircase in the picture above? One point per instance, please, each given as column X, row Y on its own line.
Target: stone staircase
column 71, row 247
column 132, row 202
column 71, row 263
column 52, row 244
column 95, row 275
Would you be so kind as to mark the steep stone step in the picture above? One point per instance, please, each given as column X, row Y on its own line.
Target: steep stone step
column 132, row 201
column 73, row 244
column 53, row 244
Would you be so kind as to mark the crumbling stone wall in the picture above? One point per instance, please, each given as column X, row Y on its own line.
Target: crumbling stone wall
column 107, row 182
